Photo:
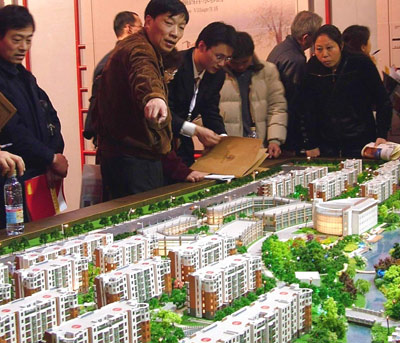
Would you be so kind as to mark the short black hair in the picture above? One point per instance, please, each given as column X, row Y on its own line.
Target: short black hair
column 217, row 33
column 355, row 36
column 123, row 18
column 332, row 32
column 13, row 17
column 244, row 46
column 156, row 7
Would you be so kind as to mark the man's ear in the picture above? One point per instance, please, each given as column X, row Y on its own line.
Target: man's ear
column 202, row 46
column 148, row 20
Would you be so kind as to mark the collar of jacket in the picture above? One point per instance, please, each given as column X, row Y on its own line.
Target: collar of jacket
column 256, row 66
column 295, row 43
column 11, row 68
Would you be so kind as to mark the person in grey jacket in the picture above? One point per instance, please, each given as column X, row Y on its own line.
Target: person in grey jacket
column 252, row 98
column 290, row 60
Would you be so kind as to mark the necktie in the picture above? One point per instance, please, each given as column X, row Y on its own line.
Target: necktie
column 193, row 101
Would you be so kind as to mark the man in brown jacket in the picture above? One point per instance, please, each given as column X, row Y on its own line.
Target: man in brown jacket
column 132, row 115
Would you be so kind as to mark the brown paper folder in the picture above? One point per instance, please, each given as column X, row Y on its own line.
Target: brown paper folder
column 233, row 155
column 7, row 110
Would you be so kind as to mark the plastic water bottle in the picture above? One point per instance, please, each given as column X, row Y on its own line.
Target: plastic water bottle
column 14, row 206
column 253, row 133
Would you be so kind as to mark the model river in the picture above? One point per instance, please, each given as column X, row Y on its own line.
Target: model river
column 374, row 298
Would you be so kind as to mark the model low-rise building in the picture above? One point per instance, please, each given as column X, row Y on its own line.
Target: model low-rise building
column 278, row 316
column 64, row 272
column 345, row 216
column 175, row 226
column 124, row 252
column 312, row 278
column 141, row 281
column 282, row 217
column 82, row 245
column 124, row 321
column 246, row 205
column 220, row 283
column 244, row 231
column 191, row 257
column 25, row 320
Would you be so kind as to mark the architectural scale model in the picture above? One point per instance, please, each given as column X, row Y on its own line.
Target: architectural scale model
column 278, row 316
column 70, row 271
column 191, row 257
column 27, row 319
column 220, row 283
column 124, row 252
column 125, row 321
column 83, row 245
column 141, row 281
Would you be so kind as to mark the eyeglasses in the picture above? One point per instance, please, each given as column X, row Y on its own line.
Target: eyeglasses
column 222, row 57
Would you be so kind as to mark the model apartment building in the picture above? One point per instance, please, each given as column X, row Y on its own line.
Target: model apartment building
column 384, row 184
column 5, row 286
column 124, row 321
column 217, row 285
column 26, row 320
column 281, row 316
column 391, row 167
column 352, row 163
column 121, row 253
column 244, row 231
column 333, row 184
column 284, row 184
column 83, row 245
column 191, row 257
column 280, row 186
column 69, row 271
column 141, row 281
column 247, row 205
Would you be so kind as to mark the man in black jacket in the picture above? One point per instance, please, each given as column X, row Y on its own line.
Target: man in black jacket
column 291, row 61
column 196, row 86
column 34, row 131
column 126, row 23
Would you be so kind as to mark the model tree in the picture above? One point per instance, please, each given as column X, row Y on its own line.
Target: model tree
column 395, row 252
column 43, row 238
column 24, row 243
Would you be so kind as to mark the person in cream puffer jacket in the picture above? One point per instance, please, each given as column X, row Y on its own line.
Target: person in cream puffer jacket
column 253, row 97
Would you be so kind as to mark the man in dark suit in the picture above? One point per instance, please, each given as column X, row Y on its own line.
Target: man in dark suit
column 196, row 86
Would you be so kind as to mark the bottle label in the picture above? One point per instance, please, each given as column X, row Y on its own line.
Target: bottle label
column 14, row 215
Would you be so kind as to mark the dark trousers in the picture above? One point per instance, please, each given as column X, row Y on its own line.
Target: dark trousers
column 127, row 175
column 186, row 150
